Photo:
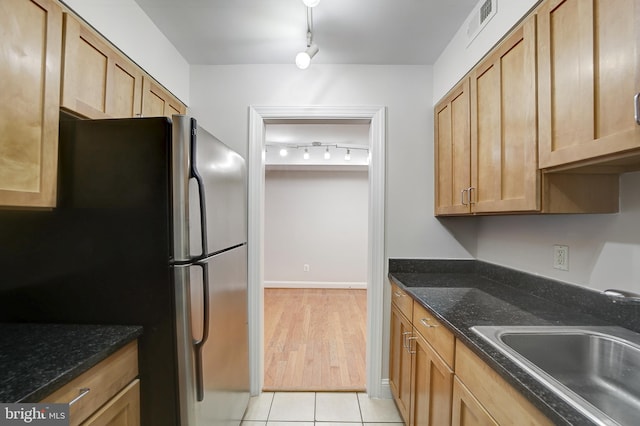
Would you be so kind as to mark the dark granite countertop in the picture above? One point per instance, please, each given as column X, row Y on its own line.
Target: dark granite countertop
column 462, row 294
column 37, row 359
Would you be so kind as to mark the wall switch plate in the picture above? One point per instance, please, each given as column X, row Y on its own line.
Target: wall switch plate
column 305, row 267
column 561, row 257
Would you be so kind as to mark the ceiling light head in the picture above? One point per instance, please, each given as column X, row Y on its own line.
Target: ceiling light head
column 311, row 3
column 306, row 154
column 303, row 59
column 327, row 154
column 283, row 152
column 347, row 156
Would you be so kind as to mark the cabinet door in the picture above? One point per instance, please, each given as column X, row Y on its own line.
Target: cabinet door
column 122, row 410
column 588, row 76
column 467, row 411
column 432, row 381
column 452, row 156
column 157, row 102
column 504, row 166
column 400, row 362
column 98, row 82
column 30, row 54
column 503, row 402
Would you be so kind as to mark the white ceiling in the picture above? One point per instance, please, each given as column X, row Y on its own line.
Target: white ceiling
column 221, row 32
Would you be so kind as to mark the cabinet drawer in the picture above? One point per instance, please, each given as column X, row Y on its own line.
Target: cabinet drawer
column 434, row 332
column 402, row 300
column 122, row 410
column 103, row 381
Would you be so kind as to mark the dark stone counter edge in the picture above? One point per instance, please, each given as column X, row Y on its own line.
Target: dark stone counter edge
column 133, row 332
column 579, row 299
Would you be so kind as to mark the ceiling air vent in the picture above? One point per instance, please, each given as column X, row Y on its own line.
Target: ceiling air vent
column 481, row 15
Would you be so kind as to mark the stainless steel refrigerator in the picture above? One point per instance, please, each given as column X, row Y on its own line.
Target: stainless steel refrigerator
column 150, row 229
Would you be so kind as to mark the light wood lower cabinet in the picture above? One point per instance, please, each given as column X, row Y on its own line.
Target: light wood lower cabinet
column 122, row 410
column 491, row 392
column 421, row 378
column 400, row 362
column 107, row 394
column 431, row 385
column 30, row 90
column 466, row 409
column 437, row 380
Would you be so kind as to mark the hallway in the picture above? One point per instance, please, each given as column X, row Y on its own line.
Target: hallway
column 315, row 339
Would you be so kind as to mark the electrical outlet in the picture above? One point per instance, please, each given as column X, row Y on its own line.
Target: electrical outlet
column 305, row 267
column 561, row 257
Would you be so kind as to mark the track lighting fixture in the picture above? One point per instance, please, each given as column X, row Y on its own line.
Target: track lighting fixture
column 303, row 59
column 314, row 152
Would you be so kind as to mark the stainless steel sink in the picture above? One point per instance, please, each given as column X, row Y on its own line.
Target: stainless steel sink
column 595, row 369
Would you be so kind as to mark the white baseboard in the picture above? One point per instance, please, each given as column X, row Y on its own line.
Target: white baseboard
column 314, row 284
column 385, row 389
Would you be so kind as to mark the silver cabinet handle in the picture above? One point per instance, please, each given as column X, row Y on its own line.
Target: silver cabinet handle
column 398, row 294
column 425, row 322
column 471, row 189
column 404, row 339
column 409, row 344
column 82, row 394
column 462, row 197
column 636, row 107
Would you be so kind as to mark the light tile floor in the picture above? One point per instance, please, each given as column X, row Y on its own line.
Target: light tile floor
column 320, row 409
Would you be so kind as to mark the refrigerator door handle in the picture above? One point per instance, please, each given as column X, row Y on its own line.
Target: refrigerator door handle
column 193, row 173
column 199, row 343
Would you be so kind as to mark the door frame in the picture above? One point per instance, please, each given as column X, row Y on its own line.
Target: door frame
column 259, row 116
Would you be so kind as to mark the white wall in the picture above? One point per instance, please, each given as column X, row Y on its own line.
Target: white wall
column 604, row 250
column 125, row 24
column 318, row 218
column 221, row 95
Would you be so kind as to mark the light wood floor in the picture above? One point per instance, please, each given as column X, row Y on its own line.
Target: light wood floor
column 315, row 339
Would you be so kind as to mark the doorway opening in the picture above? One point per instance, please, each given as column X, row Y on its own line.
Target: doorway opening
column 259, row 118
column 315, row 251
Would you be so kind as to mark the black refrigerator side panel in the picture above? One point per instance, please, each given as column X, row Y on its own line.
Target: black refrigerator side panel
column 102, row 256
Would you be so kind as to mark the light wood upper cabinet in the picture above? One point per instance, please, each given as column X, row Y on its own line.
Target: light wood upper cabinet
column 157, row 102
column 588, row 76
column 30, row 54
column 488, row 137
column 98, row 81
column 485, row 133
column 452, row 152
column 504, row 149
